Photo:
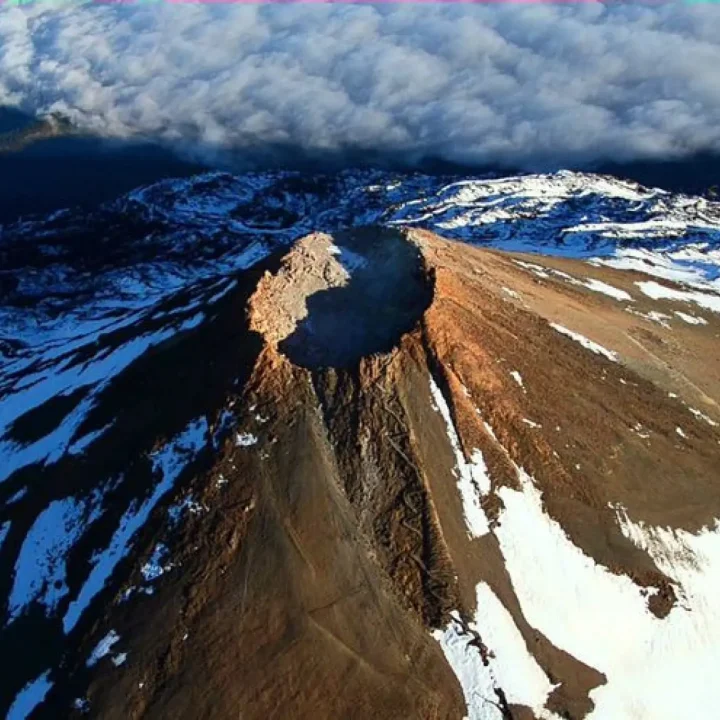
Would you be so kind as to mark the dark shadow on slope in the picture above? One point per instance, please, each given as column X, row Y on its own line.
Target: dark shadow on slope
column 385, row 296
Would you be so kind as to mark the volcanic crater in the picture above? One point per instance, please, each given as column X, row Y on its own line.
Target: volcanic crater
column 337, row 300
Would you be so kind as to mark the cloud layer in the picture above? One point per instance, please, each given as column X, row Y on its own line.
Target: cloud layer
column 535, row 86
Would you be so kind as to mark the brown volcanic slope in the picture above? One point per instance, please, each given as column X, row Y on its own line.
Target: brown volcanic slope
column 330, row 536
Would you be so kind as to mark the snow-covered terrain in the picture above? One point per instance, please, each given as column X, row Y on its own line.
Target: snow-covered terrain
column 651, row 663
column 603, row 619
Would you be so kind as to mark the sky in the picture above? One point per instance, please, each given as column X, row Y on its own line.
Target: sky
column 534, row 86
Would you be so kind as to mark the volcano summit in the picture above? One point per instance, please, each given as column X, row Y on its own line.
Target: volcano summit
column 276, row 447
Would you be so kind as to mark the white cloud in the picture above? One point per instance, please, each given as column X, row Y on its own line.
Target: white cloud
column 529, row 85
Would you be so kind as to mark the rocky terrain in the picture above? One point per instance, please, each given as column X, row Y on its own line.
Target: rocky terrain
column 274, row 446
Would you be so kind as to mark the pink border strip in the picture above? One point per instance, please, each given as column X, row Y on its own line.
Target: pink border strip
column 65, row 3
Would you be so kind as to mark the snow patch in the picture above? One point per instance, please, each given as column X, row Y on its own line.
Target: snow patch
column 691, row 319
column 4, row 530
column 80, row 445
column 225, row 422
column 155, row 566
column 176, row 511
column 654, row 316
column 119, row 659
column 656, row 291
column 537, row 270
column 699, row 415
column 605, row 289
column 19, row 495
column 586, row 343
column 81, row 704
column 245, row 439
column 30, row 697
column 103, row 648
column 476, row 679
column 472, row 477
